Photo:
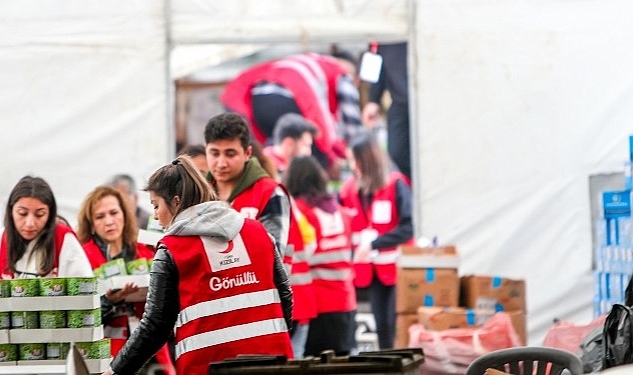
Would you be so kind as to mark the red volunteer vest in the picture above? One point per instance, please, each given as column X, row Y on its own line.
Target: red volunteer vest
column 331, row 264
column 252, row 201
column 304, row 304
column 120, row 323
column 382, row 216
column 229, row 304
column 60, row 233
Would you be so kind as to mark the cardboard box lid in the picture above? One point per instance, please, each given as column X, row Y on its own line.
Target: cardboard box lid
column 85, row 302
column 428, row 257
column 45, row 335
column 149, row 237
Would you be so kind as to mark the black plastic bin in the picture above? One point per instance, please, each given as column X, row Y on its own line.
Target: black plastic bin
column 399, row 361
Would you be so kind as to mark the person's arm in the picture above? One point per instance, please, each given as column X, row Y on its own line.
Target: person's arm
column 282, row 282
column 73, row 261
column 348, row 108
column 371, row 110
column 276, row 219
column 403, row 232
column 161, row 312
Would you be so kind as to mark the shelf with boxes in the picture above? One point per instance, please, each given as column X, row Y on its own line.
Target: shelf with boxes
column 430, row 291
column 614, row 250
column 40, row 318
column 613, row 253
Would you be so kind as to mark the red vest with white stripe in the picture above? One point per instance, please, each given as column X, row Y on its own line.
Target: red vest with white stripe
column 60, row 233
column 252, row 201
column 381, row 216
column 229, row 304
column 117, row 329
column 331, row 263
column 304, row 306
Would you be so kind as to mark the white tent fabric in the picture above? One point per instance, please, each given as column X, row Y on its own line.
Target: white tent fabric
column 249, row 21
column 515, row 105
column 84, row 94
column 518, row 103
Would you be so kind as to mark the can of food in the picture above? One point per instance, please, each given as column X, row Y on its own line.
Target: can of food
column 57, row 350
column 137, row 267
column 25, row 287
column 94, row 350
column 98, row 272
column 5, row 288
column 24, row 319
column 5, row 320
column 52, row 319
column 8, row 352
column 114, row 268
column 78, row 286
column 52, row 286
column 32, row 351
column 84, row 318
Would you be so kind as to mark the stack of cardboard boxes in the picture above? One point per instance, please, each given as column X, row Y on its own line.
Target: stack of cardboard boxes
column 431, row 292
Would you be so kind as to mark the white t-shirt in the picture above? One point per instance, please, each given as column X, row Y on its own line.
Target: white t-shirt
column 73, row 261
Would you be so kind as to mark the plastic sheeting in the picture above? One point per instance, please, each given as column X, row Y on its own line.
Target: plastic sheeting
column 518, row 103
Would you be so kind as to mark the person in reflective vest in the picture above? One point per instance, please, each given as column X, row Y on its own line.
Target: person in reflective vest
column 331, row 263
column 379, row 202
column 34, row 242
column 238, row 178
column 216, row 277
column 107, row 230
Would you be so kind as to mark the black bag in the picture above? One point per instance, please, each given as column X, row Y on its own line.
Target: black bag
column 591, row 351
column 618, row 336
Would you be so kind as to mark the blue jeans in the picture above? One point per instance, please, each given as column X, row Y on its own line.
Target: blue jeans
column 299, row 337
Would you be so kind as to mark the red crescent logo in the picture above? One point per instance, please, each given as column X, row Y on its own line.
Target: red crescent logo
column 229, row 247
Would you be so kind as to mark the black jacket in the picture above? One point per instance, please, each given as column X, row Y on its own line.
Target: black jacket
column 162, row 307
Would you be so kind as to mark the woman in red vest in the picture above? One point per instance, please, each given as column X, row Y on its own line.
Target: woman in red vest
column 379, row 201
column 107, row 230
column 331, row 263
column 217, row 278
column 34, row 243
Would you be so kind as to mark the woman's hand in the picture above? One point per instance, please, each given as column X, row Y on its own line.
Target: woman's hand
column 362, row 254
column 116, row 296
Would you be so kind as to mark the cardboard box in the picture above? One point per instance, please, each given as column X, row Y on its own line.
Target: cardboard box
column 403, row 322
column 492, row 292
column 85, row 302
column 28, row 336
column 438, row 319
column 426, row 287
column 428, row 257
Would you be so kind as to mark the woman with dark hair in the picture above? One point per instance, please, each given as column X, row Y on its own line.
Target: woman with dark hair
column 331, row 262
column 34, row 243
column 107, row 230
column 216, row 277
column 379, row 201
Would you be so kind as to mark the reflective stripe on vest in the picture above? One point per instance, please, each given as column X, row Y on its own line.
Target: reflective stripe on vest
column 331, row 275
column 303, row 278
column 331, row 257
column 299, row 256
column 230, row 334
column 222, row 305
column 386, row 256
